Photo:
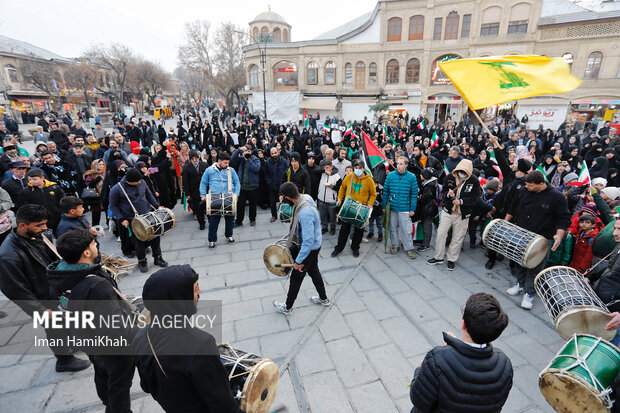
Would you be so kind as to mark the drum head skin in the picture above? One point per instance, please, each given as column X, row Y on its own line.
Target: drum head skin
column 583, row 320
column 277, row 254
column 261, row 387
column 567, row 393
column 142, row 229
column 536, row 252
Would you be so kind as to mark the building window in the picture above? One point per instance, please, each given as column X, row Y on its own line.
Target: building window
column 452, row 26
column 285, row 36
column 330, row 73
column 264, row 34
column 569, row 59
column 277, row 35
column 593, row 66
column 348, row 73
column 489, row 29
column 392, row 72
column 360, row 75
column 413, row 71
column 255, row 34
column 466, row 25
column 416, row 28
column 312, row 73
column 517, row 26
column 437, row 29
column 254, row 77
column 11, row 73
column 285, row 75
column 394, row 29
column 372, row 73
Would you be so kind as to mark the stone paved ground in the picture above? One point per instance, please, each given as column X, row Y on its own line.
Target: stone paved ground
column 355, row 356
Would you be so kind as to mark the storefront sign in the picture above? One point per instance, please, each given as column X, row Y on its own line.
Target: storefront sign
column 550, row 116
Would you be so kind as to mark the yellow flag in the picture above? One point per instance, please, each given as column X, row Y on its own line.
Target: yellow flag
column 489, row 81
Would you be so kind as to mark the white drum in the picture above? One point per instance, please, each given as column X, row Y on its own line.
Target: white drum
column 524, row 247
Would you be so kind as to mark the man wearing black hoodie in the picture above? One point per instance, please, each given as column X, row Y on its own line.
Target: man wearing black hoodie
column 191, row 382
column 86, row 286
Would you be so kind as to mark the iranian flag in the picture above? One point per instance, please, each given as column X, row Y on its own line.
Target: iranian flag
column 445, row 168
column 434, row 140
column 327, row 128
column 584, row 177
column 349, row 129
column 542, row 171
column 495, row 165
column 421, row 125
column 388, row 135
column 306, row 120
column 374, row 154
column 418, row 231
column 185, row 204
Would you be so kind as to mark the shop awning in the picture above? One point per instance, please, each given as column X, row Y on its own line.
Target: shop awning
column 28, row 100
column 319, row 104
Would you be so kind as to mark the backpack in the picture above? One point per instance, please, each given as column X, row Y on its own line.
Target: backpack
column 437, row 201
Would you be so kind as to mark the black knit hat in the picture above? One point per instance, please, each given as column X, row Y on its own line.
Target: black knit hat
column 295, row 157
column 194, row 154
column 524, row 166
column 133, row 175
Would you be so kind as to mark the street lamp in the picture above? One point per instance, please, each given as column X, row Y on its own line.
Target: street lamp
column 263, row 60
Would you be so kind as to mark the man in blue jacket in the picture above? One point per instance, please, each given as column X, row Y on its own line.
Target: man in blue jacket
column 132, row 190
column 401, row 191
column 216, row 181
column 274, row 168
column 248, row 167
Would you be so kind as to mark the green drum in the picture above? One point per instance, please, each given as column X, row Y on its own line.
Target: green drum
column 580, row 376
column 355, row 213
column 285, row 212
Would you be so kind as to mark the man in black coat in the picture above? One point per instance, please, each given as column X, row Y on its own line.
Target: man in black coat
column 59, row 137
column 314, row 172
column 18, row 181
column 24, row 256
column 134, row 134
column 79, row 159
column 40, row 191
column 188, row 355
column 297, row 175
column 192, row 174
column 466, row 375
column 86, row 286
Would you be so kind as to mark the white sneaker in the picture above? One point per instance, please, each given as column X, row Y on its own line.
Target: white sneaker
column 527, row 302
column 514, row 290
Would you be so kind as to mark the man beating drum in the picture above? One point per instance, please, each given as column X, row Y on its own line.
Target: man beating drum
column 307, row 226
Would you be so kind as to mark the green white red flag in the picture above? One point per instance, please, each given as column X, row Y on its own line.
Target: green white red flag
column 349, row 130
column 434, row 140
column 540, row 168
column 584, row 177
column 306, row 120
column 495, row 165
column 327, row 128
column 421, row 125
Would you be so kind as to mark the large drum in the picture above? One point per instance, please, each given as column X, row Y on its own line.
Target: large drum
column 520, row 245
column 221, row 204
column 253, row 380
column 355, row 213
column 285, row 212
column 153, row 224
column 580, row 376
column 278, row 254
column 572, row 304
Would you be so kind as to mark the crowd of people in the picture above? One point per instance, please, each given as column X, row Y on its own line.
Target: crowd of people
column 448, row 177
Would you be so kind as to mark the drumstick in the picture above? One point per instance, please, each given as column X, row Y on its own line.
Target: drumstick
column 284, row 265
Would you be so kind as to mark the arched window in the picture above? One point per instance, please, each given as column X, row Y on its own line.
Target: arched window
column 330, row 73
column 490, row 21
column 255, row 77
column 264, row 34
column 416, row 28
column 372, row 73
column 360, row 75
column 593, row 66
column 519, row 18
column 285, row 75
column 348, row 73
column 277, row 35
column 393, row 68
column 413, row 71
column 312, row 73
column 285, row 36
column 11, row 73
column 394, row 28
column 452, row 26
column 255, row 34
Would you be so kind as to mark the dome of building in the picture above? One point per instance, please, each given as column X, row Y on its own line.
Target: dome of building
column 269, row 17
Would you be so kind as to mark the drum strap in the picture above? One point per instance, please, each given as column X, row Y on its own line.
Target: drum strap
column 297, row 207
column 129, row 200
column 155, row 354
column 229, row 178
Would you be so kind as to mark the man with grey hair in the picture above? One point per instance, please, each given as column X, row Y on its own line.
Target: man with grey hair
column 39, row 135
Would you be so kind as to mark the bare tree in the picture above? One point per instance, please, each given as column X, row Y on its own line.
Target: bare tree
column 153, row 78
column 117, row 59
column 229, row 40
column 40, row 75
column 193, row 84
column 196, row 53
column 82, row 76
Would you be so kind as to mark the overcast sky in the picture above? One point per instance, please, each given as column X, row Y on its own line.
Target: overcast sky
column 155, row 28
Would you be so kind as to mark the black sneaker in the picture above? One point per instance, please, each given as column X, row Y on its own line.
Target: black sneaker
column 490, row 264
column 434, row 261
column 211, row 245
column 202, row 227
column 238, row 224
column 356, row 253
column 144, row 267
column 324, row 231
column 332, row 231
column 71, row 363
column 370, row 235
column 252, row 223
column 451, row 266
column 423, row 248
column 380, row 238
column 231, row 240
column 335, row 253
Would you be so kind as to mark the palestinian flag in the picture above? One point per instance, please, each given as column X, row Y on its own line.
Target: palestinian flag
column 540, row 168
column 349, row 130
column 327, row 128
column 421, row 125
column 496, row 166
column 418, row 231
column 306, row 120
column 434, row 140
column 186, row 207
column 374, row 154
column 584, row 177
column 386, row 134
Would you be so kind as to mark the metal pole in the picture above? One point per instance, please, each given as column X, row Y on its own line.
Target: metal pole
column 263, row 59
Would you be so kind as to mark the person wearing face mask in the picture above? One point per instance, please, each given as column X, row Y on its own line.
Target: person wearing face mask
column 192, row 174
column 359, row 186
column 461, row 192
column 274, row 170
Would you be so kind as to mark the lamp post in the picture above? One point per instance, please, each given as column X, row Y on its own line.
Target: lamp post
column 263, row 61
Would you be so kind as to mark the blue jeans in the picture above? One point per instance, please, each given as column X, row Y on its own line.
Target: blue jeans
column 616, row 340
column 214, row 222
column 378, row 221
